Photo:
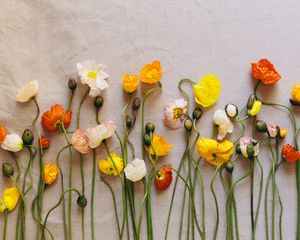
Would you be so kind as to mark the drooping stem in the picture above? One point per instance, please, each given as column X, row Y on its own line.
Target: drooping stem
column 216, row 203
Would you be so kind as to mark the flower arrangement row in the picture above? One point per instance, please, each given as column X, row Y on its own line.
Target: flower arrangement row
column 128, row 165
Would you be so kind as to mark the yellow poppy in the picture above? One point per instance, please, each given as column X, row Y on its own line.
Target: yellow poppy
column 207, row 91
column 130, row 83
column 9, row 200
column 111, row 168
column 255, row 108
column 151, row 73
column 160, row 145
column 295, row 94
column 50, row 173
column 216, row 153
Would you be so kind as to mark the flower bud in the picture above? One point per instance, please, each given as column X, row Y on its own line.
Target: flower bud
column 27, row 137
column 282, row 132
column 150, row 128
column 197, row 113
column 82, row 201
column 251, row 101
column 72, row 84
column 229, row 167
column 188, row 124
column 231, row 110
column 136, row 104
column 238, row 149
column 250, row 151
column 128, row 121
column 261, row 126
column 147, row 140
column 98, row 102
column 7, row 169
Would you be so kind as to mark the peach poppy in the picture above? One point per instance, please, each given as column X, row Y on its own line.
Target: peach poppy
column 3, row 133
column 151, row 73
column 53, row 117
column 290, row 153
column 44, row 142
column 265, row 71
column 80, row 141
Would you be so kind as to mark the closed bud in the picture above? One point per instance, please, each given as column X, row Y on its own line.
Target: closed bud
column 136, row 104
column 72, row 84
column 82, row 201
column 7, row 169
column 188, row 124
column 238, row 149
column 231, row 110
column 251, row 101
column 250, row 151
column 128, row 121
column 98, row 102
column 197, row 113
column 261, row 126
column 150, row 128
column 229, row 167
column 147, row 140
column 27, row 137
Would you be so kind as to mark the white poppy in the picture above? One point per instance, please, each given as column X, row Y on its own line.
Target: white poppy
column 28, row 91
column 93, row 75
column 135, row 170
column 224, row 124
column 13, row 143
column 99, row 133
column 174, row 113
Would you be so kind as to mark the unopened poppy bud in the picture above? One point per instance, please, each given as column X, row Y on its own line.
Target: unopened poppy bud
column 147, row 140
column 229, row 167
column 231, row 110
column 238, row 149
column 261, row 126
column 7, row 169
column 197, row 113
column 98, row 102
column 250, row 151
column 136, row 104
column 82, row 201
column 282, row 132
column 72, row 84
column 188, row 124
column 150, row 128
column 128, row 121
column 27, row 137
column 251, row 101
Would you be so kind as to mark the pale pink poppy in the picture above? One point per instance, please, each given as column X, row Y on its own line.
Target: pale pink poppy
column 80, row 141
column 272, row 130
column 174, row 113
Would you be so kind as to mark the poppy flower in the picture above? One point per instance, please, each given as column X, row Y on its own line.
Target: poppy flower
column 44, row 142
column 290, row 153
column 50, row 173
column 151, row 73
column 272, row 130
column 223, row 122
column 52, row 118
column 13, row 143
column 265, row 71
column 160, row 145
column 163, row 178
column 255, row 109
column 135, row 170
column 130, row 82
column 80, row 141
column 28, row 91
column 111, row 166
column 249, row 147
column 9, row 200
column 3, row 133
column 295, row 95
column 174, row 113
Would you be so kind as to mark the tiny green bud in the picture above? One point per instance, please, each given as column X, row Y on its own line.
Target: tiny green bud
column 136, row 104
column 229, row 167
column 128, row 121
column 251, row 101
column 238, row 149
column 147, row 140
column 82, row 201
column 197, row 113
column 150, row 128
column 27, row 137
column 261, row 126
column 72, row 84
column 98, row 102
column 250, row 151
column 188, row 124
column 7, row 169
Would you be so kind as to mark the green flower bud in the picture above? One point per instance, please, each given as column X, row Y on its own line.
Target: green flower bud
column 147, row 140
column 188, row 124
column 238, row 149
column 98, row 102
column 197, row 113
column 128, row 121
column 251, row 101
column 229, row 167
column 7, row 169
column 82, row 201
column 150, row 128
column 72, row 84
column 136, row 104
column 250, row 151
column 27, row 137
column 261, row 126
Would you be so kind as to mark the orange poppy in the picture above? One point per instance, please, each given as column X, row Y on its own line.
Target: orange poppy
column 44, row 142
column 151, row 73
column 53, row 117
column 290, row 153
column 3, row 133
column 265, row 71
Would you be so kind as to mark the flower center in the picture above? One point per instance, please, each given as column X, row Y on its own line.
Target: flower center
column 92, row 75
column 177, row 112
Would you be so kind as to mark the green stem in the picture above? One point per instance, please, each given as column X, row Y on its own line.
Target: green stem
column 216, row 203
column 5, row 224
column 93, row 195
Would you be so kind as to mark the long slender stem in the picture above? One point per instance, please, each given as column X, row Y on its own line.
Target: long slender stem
column 93, row 196
column 216, row 203
column 5, row 224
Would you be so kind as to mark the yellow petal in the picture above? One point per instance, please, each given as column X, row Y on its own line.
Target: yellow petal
column 224, row 152
column 255, row 108
column 160, row 145
column 206, row 148
column 10, row 198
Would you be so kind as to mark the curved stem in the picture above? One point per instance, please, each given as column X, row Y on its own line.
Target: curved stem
column 216, row 203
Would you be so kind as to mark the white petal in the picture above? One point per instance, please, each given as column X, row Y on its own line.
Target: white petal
column 219, row 117
column 28, row 91
column 101, row 84
column 94, row 137
column 135, row 170
column 12, row 142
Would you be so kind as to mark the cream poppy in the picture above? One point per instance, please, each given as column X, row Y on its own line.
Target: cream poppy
column 12, row 142
column 223, row 122
column 99, row 133
column 135, row 170
column 28, row 91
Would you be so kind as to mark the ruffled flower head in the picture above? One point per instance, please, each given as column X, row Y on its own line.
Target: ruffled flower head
column 94, row 76
column 174, row 113
column 216, row 153
column 130, row 82
column 223, row 122
column 3, row 133
column 111, row 166
column 290, row 153
column 28, row 91
column 265, row 71
column 135, row 170
column 255, row 109
column 52, row 118
column 80, row 141
column 44, row 142
column 160, row 145
column 207, row 91
column 151, row 73
column 249, row 147
column 9, row 200
column 272, row 130
column 295, row 95
column 50, row 173
column 12, row 142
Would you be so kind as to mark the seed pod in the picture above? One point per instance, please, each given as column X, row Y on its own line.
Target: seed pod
column 261, row 126
column 197, row 113
column 251, row 101
column 128, row 121
column 72, row 84
column 136, row 104
column 7, row 169
column 238, row 149
column 82, row 201
column 229, row 167
column 150, row 128
column 147, row 140
column 250, row 151
column 98, row 102
column 188, row 124
column 27, row 137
